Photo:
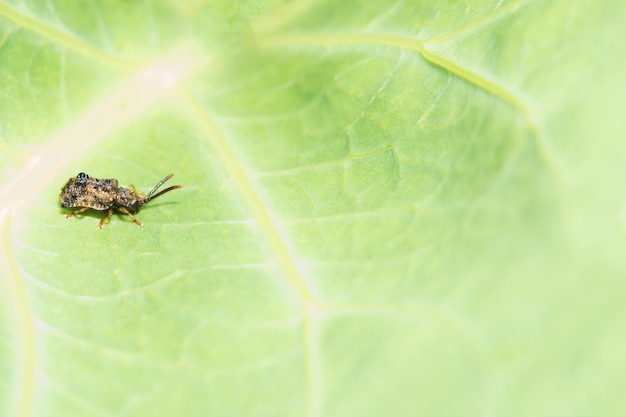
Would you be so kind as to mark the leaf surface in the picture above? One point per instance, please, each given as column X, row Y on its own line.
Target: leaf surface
column 406, row 208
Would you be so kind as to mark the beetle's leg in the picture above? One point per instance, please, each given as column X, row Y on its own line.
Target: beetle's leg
column 132, row 188
column 77, row 212
column 108, row 216
column 123, row 210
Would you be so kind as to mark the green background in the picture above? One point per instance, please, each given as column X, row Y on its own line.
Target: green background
column 389, row 208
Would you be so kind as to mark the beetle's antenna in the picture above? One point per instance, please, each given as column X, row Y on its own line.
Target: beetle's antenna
column 156, row 187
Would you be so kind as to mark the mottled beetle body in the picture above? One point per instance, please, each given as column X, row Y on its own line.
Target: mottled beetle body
column 105, row 194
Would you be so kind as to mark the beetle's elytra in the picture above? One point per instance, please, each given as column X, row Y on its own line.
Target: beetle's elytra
column 104, row 194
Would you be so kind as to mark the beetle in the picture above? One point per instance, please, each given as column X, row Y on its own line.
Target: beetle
column 105, row 194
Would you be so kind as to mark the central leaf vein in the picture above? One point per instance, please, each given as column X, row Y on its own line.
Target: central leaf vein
column 277, row 242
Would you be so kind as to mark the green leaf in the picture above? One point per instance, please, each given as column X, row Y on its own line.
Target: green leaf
column 399, row 209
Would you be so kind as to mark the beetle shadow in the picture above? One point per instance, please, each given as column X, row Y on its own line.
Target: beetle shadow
column 92, row 213
column 99, row 214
